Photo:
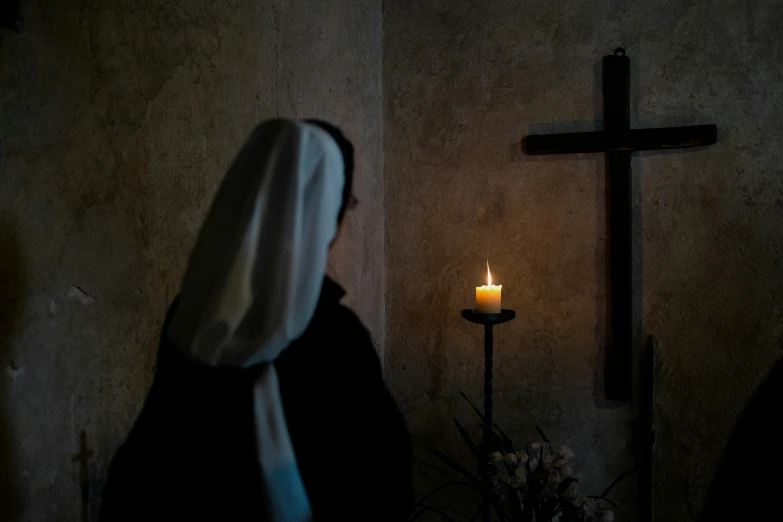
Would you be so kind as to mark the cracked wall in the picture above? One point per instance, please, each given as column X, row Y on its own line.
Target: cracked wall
column 463, row 83
column 118, row 122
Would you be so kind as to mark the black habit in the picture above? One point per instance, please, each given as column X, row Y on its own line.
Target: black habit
column 192, row 453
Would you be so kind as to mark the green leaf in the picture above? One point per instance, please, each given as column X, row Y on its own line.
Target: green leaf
column 459, row 468
column 547, row 509
column 540, row 432
column 499, row 509
column 428, row 465
column 424, row 508
column 563, row 486
column 461, row 485
column 604, row 499
column 500, row 443
column 617, row 481
column 515, row 510
column 478, row 412
column 466, row 437
column 505, row 438
column 570, row 512
column 527, row 514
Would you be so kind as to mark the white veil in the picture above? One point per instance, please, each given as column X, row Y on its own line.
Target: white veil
column 255, row 276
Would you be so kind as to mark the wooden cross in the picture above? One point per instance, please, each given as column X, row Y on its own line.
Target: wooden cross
column 84, row 474
column 618, row 140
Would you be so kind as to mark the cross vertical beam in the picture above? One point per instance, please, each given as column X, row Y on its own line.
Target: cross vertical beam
column 617, row 122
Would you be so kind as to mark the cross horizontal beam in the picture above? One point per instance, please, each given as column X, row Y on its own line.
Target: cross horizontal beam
column 630, row 140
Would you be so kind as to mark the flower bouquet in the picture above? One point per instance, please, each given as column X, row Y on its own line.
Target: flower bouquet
column 534, row 484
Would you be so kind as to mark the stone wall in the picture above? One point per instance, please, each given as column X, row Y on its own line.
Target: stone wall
column 463, row 83
column 117, row 122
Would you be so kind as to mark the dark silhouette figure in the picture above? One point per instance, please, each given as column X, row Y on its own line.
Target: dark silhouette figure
column 750, row 475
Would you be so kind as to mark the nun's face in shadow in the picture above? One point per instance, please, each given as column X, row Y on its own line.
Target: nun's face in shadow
column 352, row 204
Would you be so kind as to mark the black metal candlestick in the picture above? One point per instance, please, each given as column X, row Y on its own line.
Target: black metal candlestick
column 488, row 320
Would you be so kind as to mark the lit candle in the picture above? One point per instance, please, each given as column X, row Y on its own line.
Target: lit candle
column 488, row 296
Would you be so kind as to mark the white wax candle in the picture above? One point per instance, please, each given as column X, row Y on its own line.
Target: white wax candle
column 488, row 296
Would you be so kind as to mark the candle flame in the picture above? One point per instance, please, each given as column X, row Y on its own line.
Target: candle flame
column 489, row 275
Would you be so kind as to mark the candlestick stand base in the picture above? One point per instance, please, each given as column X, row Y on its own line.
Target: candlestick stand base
column 488, row 320
column 474, row 316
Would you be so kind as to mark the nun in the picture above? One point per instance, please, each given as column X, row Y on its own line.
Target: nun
column 268, row 402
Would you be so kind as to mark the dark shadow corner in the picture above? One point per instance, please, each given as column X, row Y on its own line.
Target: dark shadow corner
column 749, row 478
column 10, row 14
column 13, row 289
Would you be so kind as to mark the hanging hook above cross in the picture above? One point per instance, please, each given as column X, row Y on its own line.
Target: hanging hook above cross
column 618, row 141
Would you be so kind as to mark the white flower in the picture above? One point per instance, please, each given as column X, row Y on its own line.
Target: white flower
column 564, row 452
column 521, row 457
column 588, row 506
column 536, row 447
column 570, row 494
column 518, row 480
column 496, row 457
column 547, row 459
column 593, row 510
column 521, row 476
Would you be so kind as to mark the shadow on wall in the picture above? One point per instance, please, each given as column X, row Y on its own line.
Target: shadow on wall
column 749, row 479
column 13, row 286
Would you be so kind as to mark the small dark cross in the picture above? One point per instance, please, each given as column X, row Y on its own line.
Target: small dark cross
column 618, row 140
column 84, row 474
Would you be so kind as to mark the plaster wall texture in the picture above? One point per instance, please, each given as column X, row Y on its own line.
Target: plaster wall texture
column 463, row 83
column 119, row 120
